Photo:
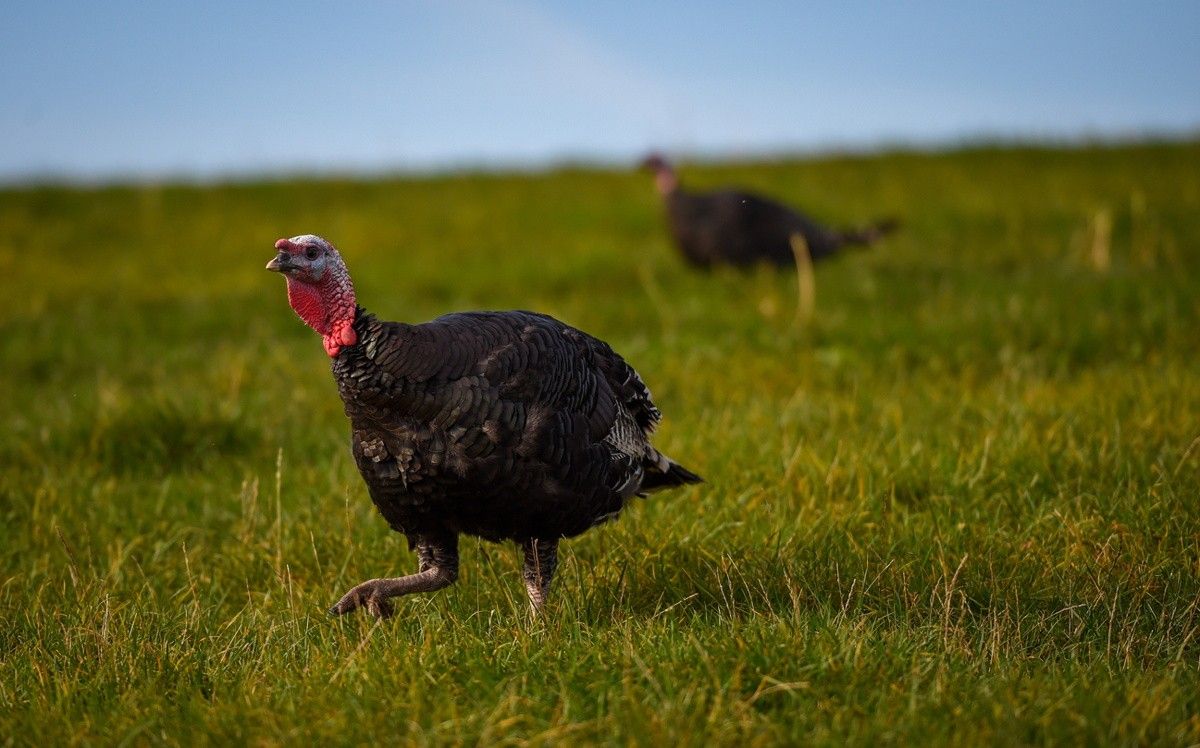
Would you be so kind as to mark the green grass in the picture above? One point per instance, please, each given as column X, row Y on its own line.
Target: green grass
column 961, row 504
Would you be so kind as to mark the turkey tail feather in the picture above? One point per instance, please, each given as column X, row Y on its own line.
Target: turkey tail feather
column 872, row 233
column 666, row 473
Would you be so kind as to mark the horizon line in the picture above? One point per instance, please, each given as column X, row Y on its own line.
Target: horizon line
column 598, row 161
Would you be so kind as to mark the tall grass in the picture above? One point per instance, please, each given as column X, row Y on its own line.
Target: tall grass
column 957, row 504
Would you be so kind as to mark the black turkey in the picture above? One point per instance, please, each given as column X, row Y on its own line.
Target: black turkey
column 740, row 228
column 502, row 425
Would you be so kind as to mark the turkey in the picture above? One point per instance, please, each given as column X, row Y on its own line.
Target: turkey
column 740, row 228
column 501, row 425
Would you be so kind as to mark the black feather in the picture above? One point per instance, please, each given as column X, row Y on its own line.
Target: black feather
column 503, row 425
column 741, row 228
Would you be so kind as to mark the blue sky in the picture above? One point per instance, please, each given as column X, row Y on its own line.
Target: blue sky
column 120, row 88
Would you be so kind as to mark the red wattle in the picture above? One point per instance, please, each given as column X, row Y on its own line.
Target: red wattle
column 306, row 299
column 327, row 306
column 344, row 332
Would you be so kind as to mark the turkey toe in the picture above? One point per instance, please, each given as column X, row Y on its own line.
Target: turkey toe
column 370, row 595
column 380, row 607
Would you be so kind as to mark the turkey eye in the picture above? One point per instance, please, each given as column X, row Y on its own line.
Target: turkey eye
column 311, row 253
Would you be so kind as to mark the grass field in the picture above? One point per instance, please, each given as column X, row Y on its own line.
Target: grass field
column 960, row 503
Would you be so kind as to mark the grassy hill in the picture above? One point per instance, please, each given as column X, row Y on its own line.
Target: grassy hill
column 961, row 503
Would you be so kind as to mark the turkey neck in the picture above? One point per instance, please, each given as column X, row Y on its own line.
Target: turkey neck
column 327, row 307
column 666, row 182
column 680, row 211
column 368, row 333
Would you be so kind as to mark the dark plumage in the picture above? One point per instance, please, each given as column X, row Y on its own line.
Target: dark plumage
column 503, row 425
column 740, row 228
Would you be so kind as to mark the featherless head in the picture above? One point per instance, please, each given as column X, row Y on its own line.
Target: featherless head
column 655, row 162
column 319, row 288
column 664, row 176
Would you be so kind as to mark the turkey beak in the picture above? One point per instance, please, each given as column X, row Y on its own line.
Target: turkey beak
column 281, row 264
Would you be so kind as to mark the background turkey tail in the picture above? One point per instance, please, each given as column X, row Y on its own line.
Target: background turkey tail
column 871, row 233
column 663, row 472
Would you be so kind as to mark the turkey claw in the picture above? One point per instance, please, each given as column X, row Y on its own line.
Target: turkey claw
column 363, row 596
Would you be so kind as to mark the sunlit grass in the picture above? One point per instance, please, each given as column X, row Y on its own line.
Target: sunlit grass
column 958, row 503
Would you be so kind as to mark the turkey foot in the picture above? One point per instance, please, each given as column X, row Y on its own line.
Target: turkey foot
column 541, row 558
column 438, row 569
column 370, row 595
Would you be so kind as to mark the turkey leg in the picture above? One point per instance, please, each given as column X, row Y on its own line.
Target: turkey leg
column 438, row 560
column 541, row 558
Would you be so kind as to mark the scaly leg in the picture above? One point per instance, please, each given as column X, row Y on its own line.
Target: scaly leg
column 438, row 568
column 541, row 558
